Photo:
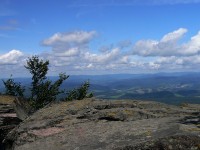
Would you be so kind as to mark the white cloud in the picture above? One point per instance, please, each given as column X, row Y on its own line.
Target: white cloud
column 11, row 58
column 153, row 65
column 69, row 44
column 174, row 36
column 12, row 62
column 68, row 53
column 78, row 37
column 71, row 50
column 178, row 63
column 71, row 53
column 168, row 46
column 145, row 48
column 102, row 58
column 166, row 60
column 90, row 66
column 192, row 47
column 124, row 59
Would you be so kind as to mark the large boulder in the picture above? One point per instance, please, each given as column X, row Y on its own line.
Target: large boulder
column 91, row 124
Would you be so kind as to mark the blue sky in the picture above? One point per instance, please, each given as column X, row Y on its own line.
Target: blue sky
column 100, row 36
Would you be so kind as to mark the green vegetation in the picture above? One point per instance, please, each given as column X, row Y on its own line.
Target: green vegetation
column 13, row 88
column 80, row 93
column 168, row 88
column 43, row 90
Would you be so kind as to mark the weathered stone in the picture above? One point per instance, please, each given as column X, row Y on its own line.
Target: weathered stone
column 99, row 124
column 22, row 108
column 177, row 142
column 8, row 118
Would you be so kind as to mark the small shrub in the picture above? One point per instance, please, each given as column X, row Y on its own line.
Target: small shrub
column 13, row 88
column 43, row 90
column 79, row 93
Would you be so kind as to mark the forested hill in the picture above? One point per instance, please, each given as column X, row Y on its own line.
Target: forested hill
column 171, row 88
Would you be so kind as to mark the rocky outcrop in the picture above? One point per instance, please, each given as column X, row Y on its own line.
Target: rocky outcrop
column 99, row 124
column 22, row 108
column 8, row 117
column 177, row 142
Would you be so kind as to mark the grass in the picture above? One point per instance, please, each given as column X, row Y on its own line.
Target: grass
column 5, row 99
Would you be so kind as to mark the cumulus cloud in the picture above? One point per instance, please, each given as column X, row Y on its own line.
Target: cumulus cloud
column 192, row 47
column 72, row 53
column 12, row 62
column 185, row 61
column 169, row 45
column 71, row 38
column 174, row 36
column 72, row 50
column 102, row 58
column 124, row 59
column 153, row 65
column 11, row 58
column 69, row 44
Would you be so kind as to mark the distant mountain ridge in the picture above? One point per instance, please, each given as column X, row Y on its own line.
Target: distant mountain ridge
column 171, row 88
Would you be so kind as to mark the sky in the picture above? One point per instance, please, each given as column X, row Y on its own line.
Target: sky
column 89, row 37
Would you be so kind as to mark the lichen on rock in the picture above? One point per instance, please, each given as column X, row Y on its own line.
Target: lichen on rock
column 92, row 124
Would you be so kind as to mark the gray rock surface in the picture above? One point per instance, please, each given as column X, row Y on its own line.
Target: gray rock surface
column 8, row 118
column 21, row 107
column 103, row 125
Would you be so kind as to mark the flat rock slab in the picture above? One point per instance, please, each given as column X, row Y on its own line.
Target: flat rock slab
column 103, row 125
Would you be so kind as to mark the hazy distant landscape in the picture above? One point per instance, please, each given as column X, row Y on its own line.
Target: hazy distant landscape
column 171, row 88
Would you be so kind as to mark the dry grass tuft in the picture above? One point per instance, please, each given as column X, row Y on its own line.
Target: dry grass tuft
column 6, row 99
